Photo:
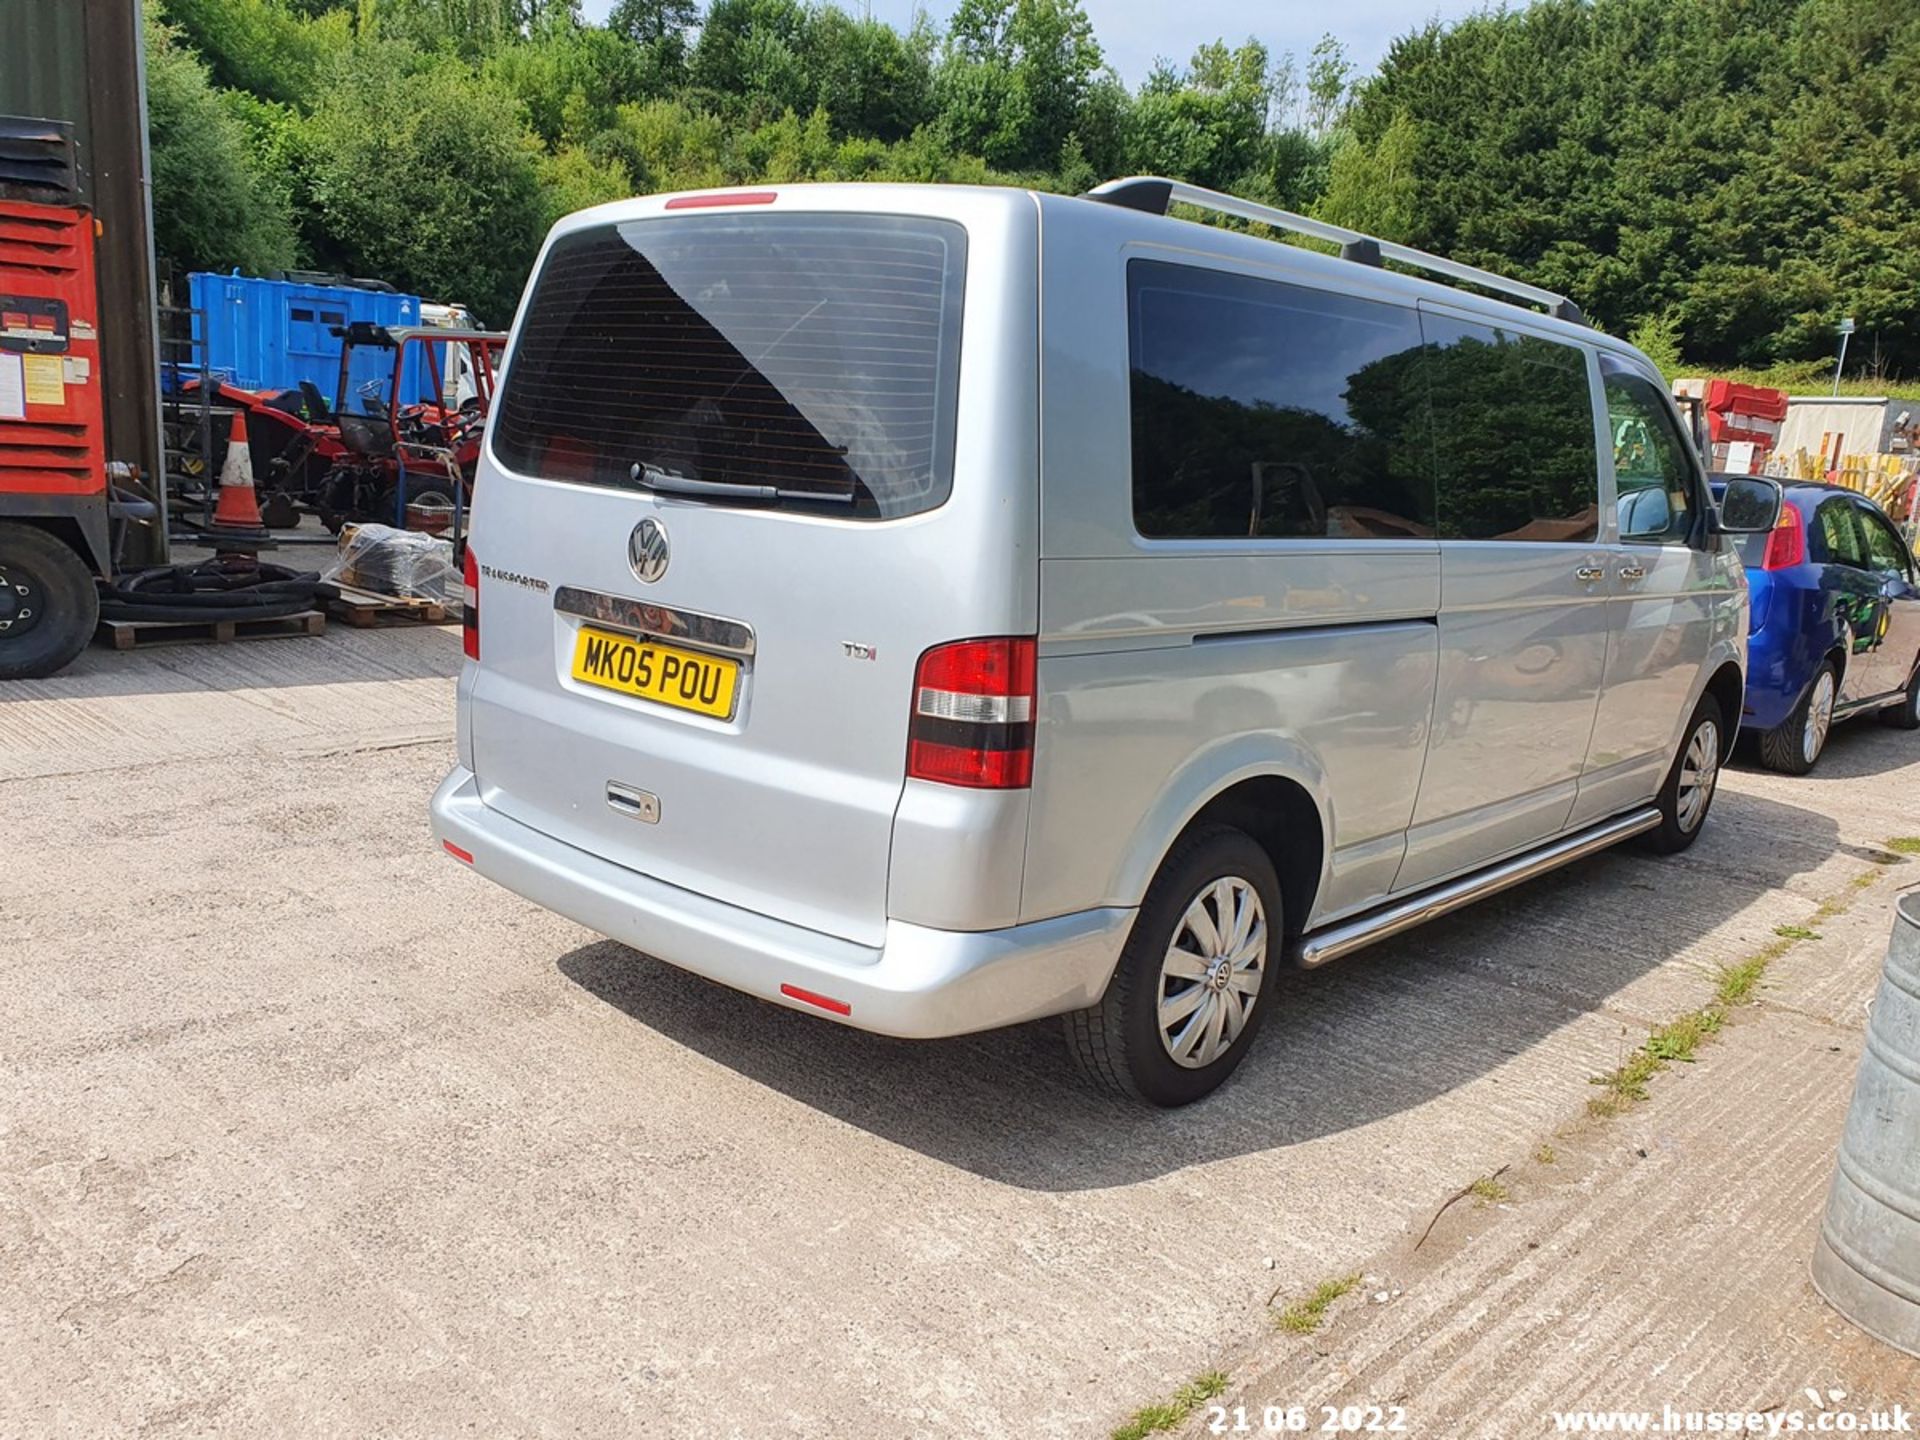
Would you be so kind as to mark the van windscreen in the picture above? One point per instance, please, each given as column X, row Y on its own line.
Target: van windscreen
column 816, row 355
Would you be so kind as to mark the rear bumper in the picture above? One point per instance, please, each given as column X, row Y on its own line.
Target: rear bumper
column 921, row 984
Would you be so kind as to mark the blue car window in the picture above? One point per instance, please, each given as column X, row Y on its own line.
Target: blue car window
column 1886, row 551
column 1839, row 533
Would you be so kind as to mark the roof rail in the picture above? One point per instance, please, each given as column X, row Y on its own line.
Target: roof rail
column 1155, row 196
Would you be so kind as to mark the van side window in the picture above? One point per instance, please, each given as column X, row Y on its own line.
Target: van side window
column 1653, row 478
column 1512, row 434
column 1274, row 411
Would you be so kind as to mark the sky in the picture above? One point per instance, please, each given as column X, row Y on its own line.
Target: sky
column 1134, row 32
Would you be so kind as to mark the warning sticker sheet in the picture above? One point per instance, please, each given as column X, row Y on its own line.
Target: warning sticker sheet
column 46, row 380
column 13, row 387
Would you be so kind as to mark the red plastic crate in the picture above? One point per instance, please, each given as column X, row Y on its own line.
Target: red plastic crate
column 1725, row 397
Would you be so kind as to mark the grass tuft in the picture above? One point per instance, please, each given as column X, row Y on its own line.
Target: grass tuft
column 1488, row 1191
column 1153, row 1419
column 1546, row 1155
column 1674, row 1043
column 1738, row 982
column 1303, row 1317
column 1904, row 844
column 1677, row 1041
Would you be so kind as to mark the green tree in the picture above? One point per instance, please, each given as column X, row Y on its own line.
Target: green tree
column 660, row 28
column 1329, row 77
column 572, row 78
column 651, row 22
column 1374, row 187
column 263, row 46
column 1014, row 77
column 1208, row 123
column 1744, row 166
column 213, row 207
column 427, row 178
column 754, row 51
column 575, row 178
column 871, row 80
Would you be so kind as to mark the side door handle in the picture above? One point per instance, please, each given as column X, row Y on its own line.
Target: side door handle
column 1589, row 573
column 1633, row 572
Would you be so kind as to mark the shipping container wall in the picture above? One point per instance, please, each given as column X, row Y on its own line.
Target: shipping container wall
column 272, row 334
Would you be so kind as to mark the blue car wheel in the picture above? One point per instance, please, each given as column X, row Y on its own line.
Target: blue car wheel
column 1794, row 745
column 1905, row 715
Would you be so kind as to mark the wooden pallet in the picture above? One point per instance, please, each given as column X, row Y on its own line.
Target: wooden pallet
column 149, row 634
column 363, row 609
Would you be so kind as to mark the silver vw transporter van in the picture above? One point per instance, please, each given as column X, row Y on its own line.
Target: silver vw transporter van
column 933, row 608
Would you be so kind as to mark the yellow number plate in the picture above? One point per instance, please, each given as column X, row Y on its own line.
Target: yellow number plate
column 664, row 674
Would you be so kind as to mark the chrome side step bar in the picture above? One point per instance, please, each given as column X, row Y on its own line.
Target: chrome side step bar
column 1331, row 943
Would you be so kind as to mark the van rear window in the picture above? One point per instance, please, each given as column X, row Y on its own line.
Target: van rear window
column 814, row 354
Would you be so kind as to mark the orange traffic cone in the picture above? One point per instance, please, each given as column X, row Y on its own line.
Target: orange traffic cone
column 236, row 512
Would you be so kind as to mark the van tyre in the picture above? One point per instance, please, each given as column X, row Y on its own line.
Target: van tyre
column 1905, row 715
column 1794, row 745
column 1195, row 978
column 1688, row 794
column 48, row 604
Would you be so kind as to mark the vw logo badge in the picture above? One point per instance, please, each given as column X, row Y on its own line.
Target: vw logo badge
column 647, row 550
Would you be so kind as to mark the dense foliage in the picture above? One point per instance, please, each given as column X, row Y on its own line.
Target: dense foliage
column 1730, row 177
column 431, row 142
column 1722, row 179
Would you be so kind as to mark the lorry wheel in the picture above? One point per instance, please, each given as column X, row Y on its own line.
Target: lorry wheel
column 48, row 603
column 1184, row 1005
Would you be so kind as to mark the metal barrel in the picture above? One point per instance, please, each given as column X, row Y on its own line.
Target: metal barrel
column 1867, row 1260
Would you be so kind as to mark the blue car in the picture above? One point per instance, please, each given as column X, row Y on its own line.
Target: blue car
column 1835, row 628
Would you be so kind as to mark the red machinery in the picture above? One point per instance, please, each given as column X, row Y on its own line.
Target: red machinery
column 54, row 508
column 401, row 451
column 410, row 458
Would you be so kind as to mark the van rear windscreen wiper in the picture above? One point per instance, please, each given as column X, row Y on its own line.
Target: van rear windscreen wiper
column 685, row 487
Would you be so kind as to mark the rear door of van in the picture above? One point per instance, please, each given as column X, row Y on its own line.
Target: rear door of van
column 754, row 455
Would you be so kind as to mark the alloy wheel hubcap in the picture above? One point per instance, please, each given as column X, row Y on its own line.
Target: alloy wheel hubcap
column 1699, row 773
column 1813, row 736
column 1211, row 974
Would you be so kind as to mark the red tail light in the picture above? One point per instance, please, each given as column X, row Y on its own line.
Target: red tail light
column 972, row 722
column 470, row 606
column 1787, row 544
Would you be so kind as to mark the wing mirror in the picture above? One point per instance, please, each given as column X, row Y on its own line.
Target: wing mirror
column 1749, row 505
column 1645, row 514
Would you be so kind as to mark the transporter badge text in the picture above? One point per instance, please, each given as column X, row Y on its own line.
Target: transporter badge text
column 525, row 582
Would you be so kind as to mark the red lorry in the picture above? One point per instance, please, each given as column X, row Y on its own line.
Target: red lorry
column 54, row 493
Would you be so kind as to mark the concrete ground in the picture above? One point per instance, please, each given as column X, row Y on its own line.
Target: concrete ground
column 306, row 1129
